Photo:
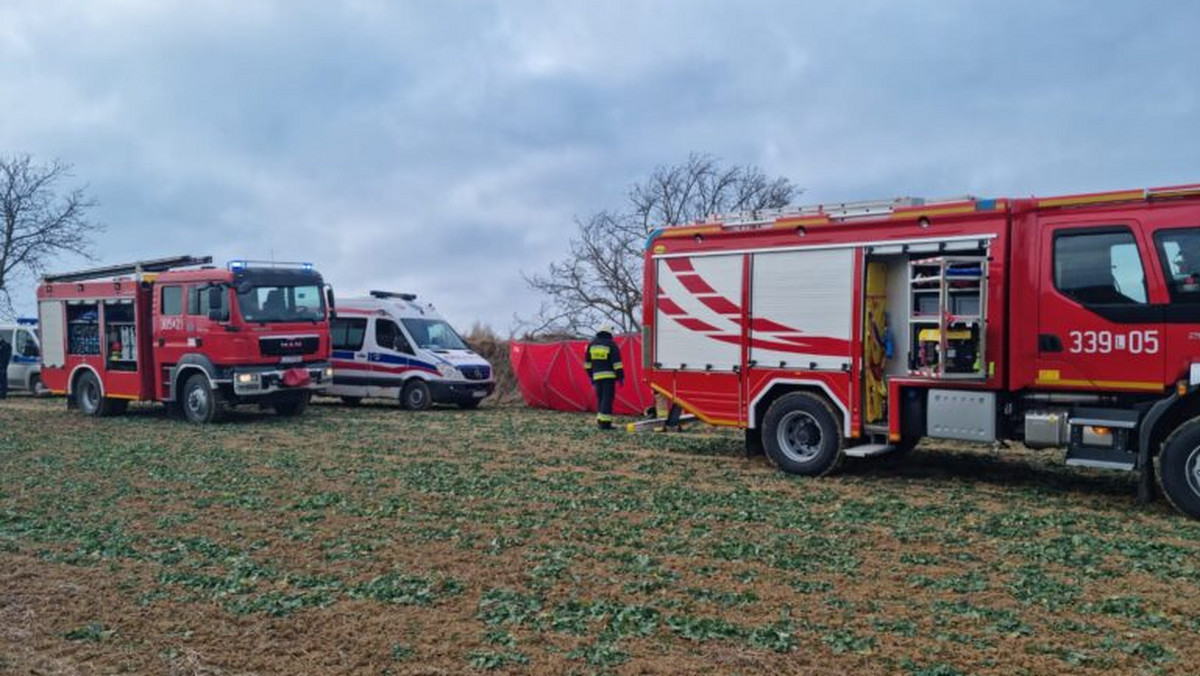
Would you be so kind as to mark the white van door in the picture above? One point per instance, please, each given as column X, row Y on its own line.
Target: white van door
column 25, row 357
column 388, row 359
column 351, row 369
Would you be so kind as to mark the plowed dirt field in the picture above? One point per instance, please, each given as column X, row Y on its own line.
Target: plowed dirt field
column 371, row 540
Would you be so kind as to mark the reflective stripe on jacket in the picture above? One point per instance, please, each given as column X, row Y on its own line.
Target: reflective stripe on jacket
column 602, row 359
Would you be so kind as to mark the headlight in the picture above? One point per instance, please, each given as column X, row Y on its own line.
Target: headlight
column 328, row 371
column 447, row 371
column 246, row 378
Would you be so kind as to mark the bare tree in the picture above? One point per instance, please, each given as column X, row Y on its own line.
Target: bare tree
column 600, row 280
column 38, row 223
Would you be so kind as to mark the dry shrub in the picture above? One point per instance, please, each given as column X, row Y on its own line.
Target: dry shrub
column 484, row 340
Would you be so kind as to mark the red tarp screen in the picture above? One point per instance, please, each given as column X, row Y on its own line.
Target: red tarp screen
column 551, row 375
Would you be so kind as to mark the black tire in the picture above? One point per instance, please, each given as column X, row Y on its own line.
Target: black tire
column 415, row 395
column 201, row 403
column 801, row 435
column 1179, row 468
column 87, row 395
column 352, row 401
column 292, row 406
column 36, row 387
column 754, row 442
column 469, row 404
column 89, row 398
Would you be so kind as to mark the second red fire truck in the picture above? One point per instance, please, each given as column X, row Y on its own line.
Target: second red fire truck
column 177, row 330
column 857, row 329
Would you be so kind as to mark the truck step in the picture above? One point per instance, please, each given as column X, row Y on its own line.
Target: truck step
column 1103, row 458
column 655, row 423
column 876, row 428
column 868, row 450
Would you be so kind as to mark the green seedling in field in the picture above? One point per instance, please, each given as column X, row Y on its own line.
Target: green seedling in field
column 540, row 544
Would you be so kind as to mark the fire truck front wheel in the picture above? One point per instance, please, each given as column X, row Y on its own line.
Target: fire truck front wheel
column 1179, row 468
column 800, row 433
column 201, row 402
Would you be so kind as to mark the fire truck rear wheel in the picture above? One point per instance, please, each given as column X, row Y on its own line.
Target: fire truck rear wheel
column 89, row 397
column 201, row 403
column 1179, row 468
column 801, row 435
column 415, row 395
column 292, row 406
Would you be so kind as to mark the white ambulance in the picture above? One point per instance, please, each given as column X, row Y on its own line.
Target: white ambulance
column 24, row 368
column 389, row 346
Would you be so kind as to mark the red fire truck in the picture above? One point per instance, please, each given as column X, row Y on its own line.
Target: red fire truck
column 857, row 329
column 180, row 331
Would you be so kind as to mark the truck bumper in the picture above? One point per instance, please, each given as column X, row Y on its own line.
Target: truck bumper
column 261, row 381
column 456, row 392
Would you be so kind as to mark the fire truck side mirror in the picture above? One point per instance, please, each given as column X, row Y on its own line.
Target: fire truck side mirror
column 329, row 302
column 218, row 309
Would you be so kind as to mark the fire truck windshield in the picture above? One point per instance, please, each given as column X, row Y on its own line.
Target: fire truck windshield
column 270, row 304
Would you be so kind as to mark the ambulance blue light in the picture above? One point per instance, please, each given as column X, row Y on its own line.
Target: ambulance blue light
column 27, row 321
column 237, row 265
column 307, row 266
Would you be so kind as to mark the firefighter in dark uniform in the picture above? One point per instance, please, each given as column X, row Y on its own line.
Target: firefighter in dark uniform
column 603, row 362
column 5, row 357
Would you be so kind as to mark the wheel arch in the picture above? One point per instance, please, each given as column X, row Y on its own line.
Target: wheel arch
column 75, row 375
column 781, row 386
column 1164, row 417
column 188, row 364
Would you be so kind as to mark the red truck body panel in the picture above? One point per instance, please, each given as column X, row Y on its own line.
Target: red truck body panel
column 94, row 316
column 1037, row 337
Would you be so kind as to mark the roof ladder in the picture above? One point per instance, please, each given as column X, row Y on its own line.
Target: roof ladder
column 139, row 267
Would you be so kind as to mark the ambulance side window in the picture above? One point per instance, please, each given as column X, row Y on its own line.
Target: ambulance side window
column 348, row 333
column 388, row 336
column 172, row 300
column 1099, row 267
column 23, row 345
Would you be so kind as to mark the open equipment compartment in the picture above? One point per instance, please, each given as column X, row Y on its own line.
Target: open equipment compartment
column 947, row 317
column 83, row 328
column 120, row 335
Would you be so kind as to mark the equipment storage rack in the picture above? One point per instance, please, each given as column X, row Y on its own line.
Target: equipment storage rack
column 948, row 306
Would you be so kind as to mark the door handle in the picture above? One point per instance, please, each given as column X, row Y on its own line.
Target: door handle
column 1048, row 342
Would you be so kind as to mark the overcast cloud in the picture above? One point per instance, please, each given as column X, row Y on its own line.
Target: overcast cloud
column 443, row 147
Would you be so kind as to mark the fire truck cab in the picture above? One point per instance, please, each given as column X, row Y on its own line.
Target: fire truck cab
column 179, row 331
column 858, row 329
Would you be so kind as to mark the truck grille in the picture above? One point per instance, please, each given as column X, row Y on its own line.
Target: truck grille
column 476, row 372
column 283, row 347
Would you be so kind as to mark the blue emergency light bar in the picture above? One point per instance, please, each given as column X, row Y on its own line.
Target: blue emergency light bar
column 236, row 265
column 27, row 321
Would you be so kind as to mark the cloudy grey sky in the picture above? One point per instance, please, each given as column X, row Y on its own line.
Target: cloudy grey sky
column 444, row 146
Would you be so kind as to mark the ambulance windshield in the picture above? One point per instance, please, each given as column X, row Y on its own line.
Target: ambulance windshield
column 269, row 304
column 434, row 334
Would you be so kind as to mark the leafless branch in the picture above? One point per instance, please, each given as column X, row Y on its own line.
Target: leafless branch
column 38, row 222
column 600, row 280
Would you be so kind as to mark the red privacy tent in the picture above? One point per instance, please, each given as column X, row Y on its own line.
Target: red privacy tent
column 551, row 375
